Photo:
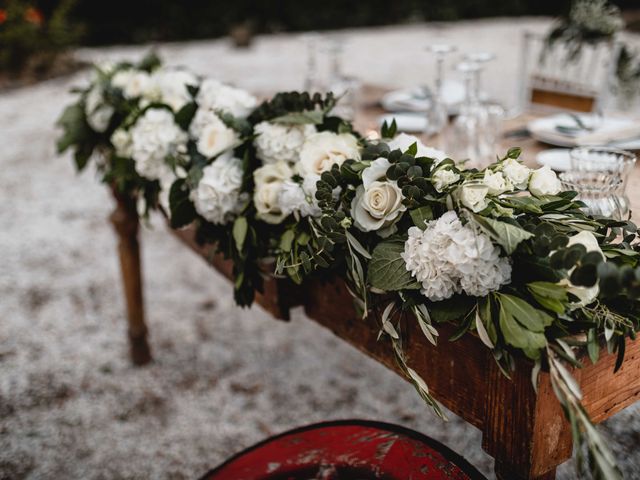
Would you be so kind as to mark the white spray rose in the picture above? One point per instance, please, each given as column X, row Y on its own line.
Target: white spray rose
column 218, row 198
column 516, row 173
column 473, row 196
column 214, row 95
column 495, row 182
column 277, row 142
column 321, row 151
column 443, row 177
column 544, row 181
column 404, row 141
column 269, row 180
column 155, row 136
column 97, row 111
column 122, row 142
column 586, row 295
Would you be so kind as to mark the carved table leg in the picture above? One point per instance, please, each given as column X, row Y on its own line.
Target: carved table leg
column 525, row 432
column 125, row 221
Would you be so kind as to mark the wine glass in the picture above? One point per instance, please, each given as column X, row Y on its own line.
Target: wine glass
column 437, row 115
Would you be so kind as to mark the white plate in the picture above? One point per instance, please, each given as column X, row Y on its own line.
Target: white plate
column 416, row 99
column 557, row 159
column 407, row 122
column 545, row 130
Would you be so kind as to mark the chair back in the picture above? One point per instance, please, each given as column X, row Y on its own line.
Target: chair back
column 558, row 76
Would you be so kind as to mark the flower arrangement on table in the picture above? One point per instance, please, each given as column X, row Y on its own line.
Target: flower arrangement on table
column 502, row 253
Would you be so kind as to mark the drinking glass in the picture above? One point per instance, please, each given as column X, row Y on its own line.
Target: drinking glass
column 612, row 163
column 437, row 115
column 599, row 192
column 467, row 138
column 312, row 81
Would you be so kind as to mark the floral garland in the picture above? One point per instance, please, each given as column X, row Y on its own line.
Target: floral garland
column 501, row 252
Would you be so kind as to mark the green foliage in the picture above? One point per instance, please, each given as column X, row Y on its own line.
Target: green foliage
column 387, row 270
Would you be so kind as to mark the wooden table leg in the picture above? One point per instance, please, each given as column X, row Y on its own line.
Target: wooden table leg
column 525, row 432
column 125, row 221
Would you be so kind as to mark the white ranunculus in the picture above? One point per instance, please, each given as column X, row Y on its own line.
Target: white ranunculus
column 516, row 173
column 170, row 86
column 321, row 151
column 269, row 180
column 218, row 198
column 277, row 142
column 448, row 257
column 154, row 137
column 443, row 177
column 377, row 207
column 474, row 196
column 586, row 295
column 121, row 141
column 216, row 137
column 544, row 181
column 97, row 111
column 133, row 83
column 214, row 95
column 404, row 141
column 496, row 182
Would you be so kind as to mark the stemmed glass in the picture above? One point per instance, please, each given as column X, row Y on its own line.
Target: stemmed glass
column 312, row 81
column 465, row 139
column 437, row 114
column 345, row 87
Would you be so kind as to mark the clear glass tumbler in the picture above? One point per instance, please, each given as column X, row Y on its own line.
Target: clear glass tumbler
column 612, row 163
column 598, row 191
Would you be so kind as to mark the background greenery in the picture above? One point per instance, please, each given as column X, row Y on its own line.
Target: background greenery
column 125, row 21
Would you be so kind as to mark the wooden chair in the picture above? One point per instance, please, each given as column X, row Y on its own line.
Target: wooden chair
column 551, row 79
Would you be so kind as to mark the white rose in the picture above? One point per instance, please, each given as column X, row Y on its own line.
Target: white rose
column 443, row 177
column 133, row 83
column 218, row 196
column 586, row 294
column 516, row 173
column 474, row 196
column 496, row 182
column 403, row 142
column 544, row 181
column 216, row 137
column 321, row 151
column 269, row 180
column 170, row 86
column 121, row 141
column 214, row 95
column 377, row 207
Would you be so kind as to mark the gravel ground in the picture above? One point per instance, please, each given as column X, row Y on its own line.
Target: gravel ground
column 71, row 406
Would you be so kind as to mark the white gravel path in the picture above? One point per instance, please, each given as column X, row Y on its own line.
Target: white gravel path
column 71, row 406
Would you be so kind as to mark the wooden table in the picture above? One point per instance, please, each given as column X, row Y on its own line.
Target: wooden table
column 525, row 432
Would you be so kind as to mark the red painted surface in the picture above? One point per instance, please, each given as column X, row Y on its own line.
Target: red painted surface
column 346, row 450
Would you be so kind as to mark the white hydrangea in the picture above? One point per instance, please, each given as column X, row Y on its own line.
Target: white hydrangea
column 449, row 257
column 170, row 86
column 98, row 113
column 218, row 197
column 155, row 136
column 277, row 142
column 299, row 199
column 133, row 83
column 214, row 95
column 212, row 135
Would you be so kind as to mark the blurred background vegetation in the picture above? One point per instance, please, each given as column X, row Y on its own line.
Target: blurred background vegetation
column 32, row 33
